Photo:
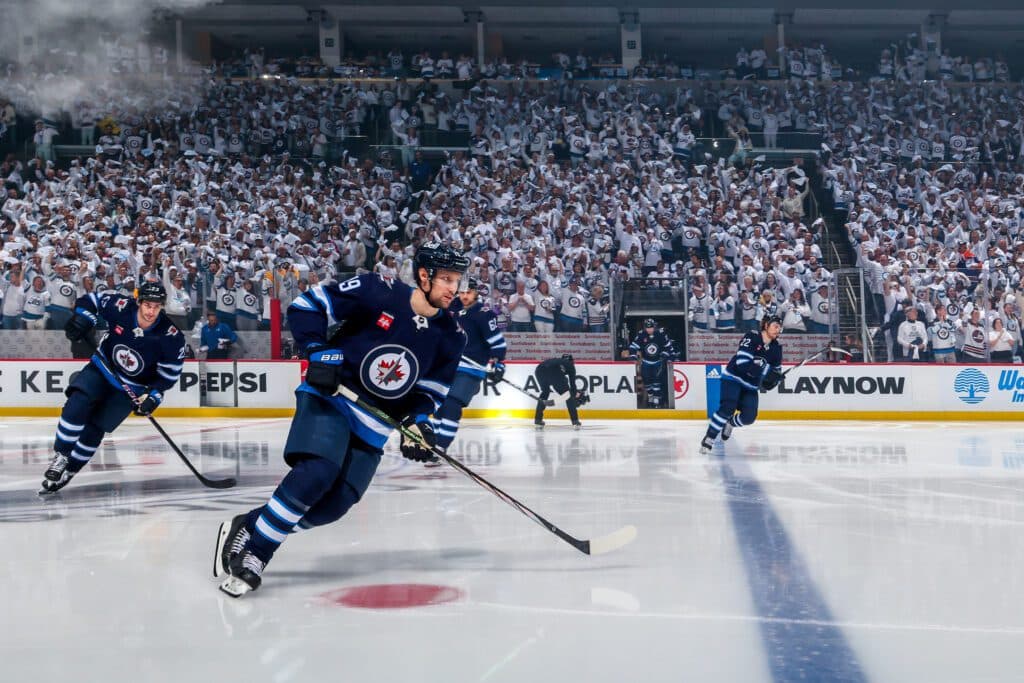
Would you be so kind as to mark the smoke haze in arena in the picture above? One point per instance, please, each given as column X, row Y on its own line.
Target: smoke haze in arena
column 81, row 32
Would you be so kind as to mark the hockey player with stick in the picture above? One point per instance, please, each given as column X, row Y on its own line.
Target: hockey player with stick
column 756, row 365
column 485, row 345
column 652, row 348
column 559, row 374
column 392, row 346
column 143, row 349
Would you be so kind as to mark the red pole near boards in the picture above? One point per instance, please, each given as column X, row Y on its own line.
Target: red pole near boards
column 275, row 329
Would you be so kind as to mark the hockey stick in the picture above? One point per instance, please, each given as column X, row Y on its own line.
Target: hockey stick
column 549, row 402
column 205, row 481
column 596, row 546
column 827, row 349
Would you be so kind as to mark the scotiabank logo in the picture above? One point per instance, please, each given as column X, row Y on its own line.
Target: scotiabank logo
column 842, row 385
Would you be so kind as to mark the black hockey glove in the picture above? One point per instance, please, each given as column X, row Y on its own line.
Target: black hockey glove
column 418, row 448
column 324, row 372
column 498, row 372
column 148, row 402
column 582, row 398
column 771, row 380
column 80, row 324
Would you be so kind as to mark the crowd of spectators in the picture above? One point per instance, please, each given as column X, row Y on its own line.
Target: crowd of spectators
column 927, row 181
column 225, row 193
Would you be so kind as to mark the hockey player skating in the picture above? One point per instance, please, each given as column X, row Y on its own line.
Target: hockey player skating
column 756, row 365
column 485, row 345
column 393, row 345
column 142, row 349
column 653, row 349
column 559, row 374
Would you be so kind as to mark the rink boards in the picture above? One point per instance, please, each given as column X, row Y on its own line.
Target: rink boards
column 823, row 391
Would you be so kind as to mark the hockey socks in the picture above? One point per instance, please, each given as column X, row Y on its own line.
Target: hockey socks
column 302, row 487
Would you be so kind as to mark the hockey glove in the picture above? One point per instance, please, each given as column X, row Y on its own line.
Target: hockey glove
column 80, row 324
column 418, row 447
column 771, row 380
column 498, row 372
column 147, row 403
column 325, row 370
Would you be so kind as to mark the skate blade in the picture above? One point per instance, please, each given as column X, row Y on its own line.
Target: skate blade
column 222, row 538
column 235, row 587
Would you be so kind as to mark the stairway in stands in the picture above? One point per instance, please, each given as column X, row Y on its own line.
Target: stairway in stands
column 841, row 260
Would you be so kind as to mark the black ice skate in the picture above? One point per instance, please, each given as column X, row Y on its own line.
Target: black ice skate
column 57, row 474
column 576, row 426
column 539, row 425
column 706, row 444
column 246, row 575
column 231, row 539
column 727, row 430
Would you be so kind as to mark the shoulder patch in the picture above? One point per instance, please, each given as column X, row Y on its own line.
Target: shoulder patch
column 171, row 331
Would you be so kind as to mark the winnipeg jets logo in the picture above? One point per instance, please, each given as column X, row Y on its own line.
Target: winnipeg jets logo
column 421, row 322
column 66, row 290
column 127, row 359
column 389, row 371
column 228, row 299
column 652, row 349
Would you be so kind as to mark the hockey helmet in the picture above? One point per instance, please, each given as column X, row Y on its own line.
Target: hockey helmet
column 152, row 291
column 472, row 284
column 567, row 356
column 649, row 322
column 435, row 256
column 769, row 319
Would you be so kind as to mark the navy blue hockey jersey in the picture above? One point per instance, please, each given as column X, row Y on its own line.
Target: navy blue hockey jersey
column 651, row 348
column 395, row 359
column 144, row 359
column 746, row 368
column 484, row 340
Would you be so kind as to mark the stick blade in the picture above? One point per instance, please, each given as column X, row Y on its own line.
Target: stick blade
column 612, row 541
column 219, row 483
column 844, row 352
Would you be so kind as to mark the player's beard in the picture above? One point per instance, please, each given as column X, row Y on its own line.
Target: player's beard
column 438, row 300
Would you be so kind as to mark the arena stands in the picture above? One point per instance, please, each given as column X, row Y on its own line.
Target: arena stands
column 276, row 180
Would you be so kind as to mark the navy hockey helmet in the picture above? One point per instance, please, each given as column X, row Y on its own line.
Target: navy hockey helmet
column 472, row 284
column 769, row 319
column 152, row 291
column 649, row 322
column 567, row 356
column 435, row 256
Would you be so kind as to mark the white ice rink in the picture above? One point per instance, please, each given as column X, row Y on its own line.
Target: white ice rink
column 803, row 551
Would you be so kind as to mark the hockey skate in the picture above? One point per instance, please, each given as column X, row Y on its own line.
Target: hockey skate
column 576, row 426
column 246, row 575
column 539, row 425
column 727, row 430
column 57, row 474
column 231, row 539
column 706, row 444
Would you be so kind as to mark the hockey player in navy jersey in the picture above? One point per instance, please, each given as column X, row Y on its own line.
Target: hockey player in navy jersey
column 485, row 346
column 653, row 349
column 397, row 348
column 142, row 349
column 756, row 365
